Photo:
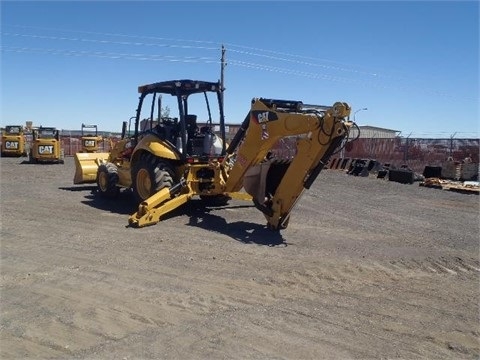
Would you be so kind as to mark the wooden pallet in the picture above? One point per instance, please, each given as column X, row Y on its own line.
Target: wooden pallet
column 457, row 186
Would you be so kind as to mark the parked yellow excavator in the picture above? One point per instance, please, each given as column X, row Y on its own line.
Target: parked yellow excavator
column 169, row 160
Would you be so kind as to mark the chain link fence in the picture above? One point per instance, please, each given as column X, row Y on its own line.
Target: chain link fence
column 415, row 153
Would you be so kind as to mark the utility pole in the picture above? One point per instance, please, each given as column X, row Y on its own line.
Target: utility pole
column 451, row 144
column 405, row 151
column 222, row 69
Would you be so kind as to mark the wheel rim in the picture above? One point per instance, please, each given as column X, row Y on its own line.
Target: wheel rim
column 144, row 184
column 102, row 181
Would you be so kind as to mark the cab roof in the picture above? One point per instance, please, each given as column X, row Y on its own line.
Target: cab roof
column 183, row 87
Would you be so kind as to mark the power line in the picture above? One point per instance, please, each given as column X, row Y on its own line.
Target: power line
column 288, row 71
column 171, row 58
column 302, row 62
column 236, row 62
column 211, row 60
column 278, row 58
column 113, row 34
column 108, row 41
column 110, row 55
column 340, row 67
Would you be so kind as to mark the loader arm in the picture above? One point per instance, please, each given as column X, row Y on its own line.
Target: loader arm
column 274, row 183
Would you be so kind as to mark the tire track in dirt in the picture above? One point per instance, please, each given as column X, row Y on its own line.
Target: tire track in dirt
column 351, row 277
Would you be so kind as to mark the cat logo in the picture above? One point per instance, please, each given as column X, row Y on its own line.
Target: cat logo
column 262, row 117
column 89, row 143
column 45, row 149
column 12, row 145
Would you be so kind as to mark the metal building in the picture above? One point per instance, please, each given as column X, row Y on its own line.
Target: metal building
column 373, row 132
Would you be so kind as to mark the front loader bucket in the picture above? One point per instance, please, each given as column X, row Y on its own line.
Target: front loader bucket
column 86, row 165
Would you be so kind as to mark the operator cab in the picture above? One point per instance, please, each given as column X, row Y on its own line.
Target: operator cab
column 176, row 118
column 13, row 130
column 46, row 133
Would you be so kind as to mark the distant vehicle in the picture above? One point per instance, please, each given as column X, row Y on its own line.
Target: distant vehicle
column 13, row 141
column 90, row 139
column 46, row 146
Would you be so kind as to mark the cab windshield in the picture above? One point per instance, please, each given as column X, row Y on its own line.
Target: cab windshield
column 12, row 130
column 46, row 133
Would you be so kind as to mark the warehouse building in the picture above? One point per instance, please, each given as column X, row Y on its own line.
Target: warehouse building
column 373, row 132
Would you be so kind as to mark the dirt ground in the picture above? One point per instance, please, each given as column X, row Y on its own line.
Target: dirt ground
column 367, row 269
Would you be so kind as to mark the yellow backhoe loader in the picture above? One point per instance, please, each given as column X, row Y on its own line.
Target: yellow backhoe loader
column 169, row 160
column 13, row 141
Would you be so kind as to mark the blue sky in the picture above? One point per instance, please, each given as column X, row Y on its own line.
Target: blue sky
column 413, row 65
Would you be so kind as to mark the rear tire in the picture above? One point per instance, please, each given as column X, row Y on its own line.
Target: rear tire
column 107, row 180
column 150, row 175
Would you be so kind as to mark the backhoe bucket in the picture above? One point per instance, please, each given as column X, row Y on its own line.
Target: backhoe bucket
column 86, row 165
column 261, row 181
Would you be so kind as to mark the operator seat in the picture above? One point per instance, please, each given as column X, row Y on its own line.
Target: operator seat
column 191, row 127
column 191, row 124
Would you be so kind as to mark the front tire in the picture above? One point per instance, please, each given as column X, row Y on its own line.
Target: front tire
column 107, row 180
column 150, row 175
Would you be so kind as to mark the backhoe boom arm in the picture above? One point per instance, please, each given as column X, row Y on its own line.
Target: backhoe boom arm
column 277, row 183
